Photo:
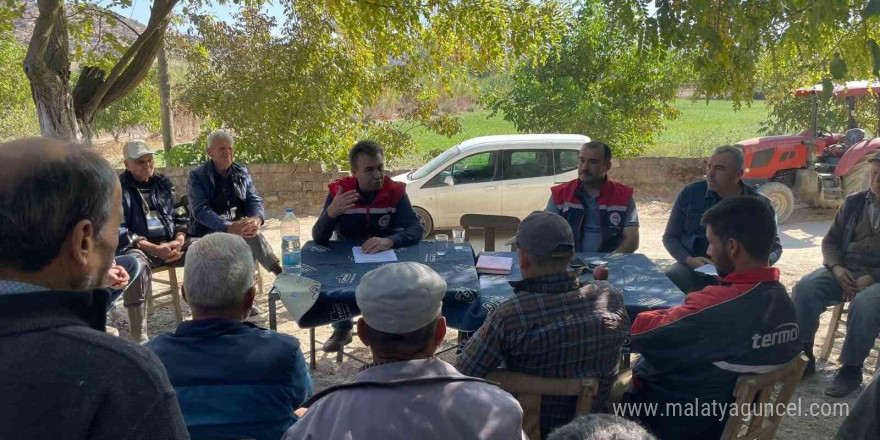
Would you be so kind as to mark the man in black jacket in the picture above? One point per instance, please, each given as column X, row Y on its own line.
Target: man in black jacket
column 63, row 375
column 153, row 230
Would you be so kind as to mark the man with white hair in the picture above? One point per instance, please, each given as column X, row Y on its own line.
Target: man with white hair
column 154, row 229
column 407, row 393
column 222, row 198
column 233, row 379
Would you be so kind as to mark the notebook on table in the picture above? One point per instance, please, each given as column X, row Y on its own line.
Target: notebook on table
column 494, row 265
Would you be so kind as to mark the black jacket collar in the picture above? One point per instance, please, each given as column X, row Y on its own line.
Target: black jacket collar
column 35, row 311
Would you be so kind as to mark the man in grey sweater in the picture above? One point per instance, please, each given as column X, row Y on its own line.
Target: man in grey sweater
column 63, row 376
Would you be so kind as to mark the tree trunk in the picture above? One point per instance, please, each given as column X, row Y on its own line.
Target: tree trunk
column 48, row 68
column 165, row 99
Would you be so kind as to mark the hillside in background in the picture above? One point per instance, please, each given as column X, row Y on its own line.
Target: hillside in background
column 124, row 28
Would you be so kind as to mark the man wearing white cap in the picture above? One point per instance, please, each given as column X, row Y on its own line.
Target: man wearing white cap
column 406, row 393
column 154, row 230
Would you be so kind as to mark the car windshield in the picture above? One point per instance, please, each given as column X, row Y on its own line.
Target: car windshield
column 434, row 163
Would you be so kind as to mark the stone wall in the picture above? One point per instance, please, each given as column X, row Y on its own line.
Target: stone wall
column 657, row 178
column 303, row 186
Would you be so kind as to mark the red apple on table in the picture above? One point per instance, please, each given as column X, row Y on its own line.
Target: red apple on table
column 600, row 273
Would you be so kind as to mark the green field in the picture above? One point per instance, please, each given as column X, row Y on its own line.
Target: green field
column 700, row 128
column 473, row 124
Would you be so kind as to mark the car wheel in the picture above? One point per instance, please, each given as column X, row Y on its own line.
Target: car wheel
column 425, row 219
column 781, row 198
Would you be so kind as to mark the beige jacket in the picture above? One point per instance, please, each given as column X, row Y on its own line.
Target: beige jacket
column 451, row 409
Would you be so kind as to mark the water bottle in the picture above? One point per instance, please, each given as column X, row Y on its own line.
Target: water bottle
column 290, row 247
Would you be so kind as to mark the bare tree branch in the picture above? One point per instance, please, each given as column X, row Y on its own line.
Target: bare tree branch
column 131, row 69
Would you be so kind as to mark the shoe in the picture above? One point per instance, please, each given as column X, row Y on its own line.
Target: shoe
column 845, row 381
column 339, row 339
column 137, row 323
column 811, row 361
column 255, row 311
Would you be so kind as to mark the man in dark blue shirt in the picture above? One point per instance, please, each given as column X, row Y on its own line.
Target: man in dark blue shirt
column 685, row 236
column 222, row 198
column 233, row 379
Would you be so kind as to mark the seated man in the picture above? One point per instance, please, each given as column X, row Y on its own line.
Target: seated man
column 233, row 379
column 153, row 230
column 553, row 326
column 600, row 211
column 851, row 272
column 366, row 206
column 693, row 354
column 63, row 376
column 685, row 236
column 407, row 393
column 222, row 198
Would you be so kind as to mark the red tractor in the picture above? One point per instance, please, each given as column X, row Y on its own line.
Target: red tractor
column 820, row 166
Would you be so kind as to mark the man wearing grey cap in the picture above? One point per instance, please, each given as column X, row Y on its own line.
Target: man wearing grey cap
column 553, row 326
column 406, row 393
column 154, row 229
column 850, row 273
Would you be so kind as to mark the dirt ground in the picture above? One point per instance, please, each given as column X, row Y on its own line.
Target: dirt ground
column 801, row 239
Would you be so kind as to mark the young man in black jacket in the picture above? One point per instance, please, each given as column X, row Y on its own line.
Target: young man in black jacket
column 63, row 375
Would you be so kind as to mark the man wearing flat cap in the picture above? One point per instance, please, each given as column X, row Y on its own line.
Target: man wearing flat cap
column 553, row 326
column 406, row 393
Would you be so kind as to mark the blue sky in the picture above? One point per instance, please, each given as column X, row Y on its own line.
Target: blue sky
column 140, row 10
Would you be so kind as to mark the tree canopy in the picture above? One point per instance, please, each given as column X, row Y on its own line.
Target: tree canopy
column 297, row 89
column 602, row 81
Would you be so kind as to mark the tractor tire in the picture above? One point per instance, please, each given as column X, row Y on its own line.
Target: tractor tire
column 857, row 179
column 426, row 220
column 781, row 198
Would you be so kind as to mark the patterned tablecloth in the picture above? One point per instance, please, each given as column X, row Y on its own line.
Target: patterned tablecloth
column 643, row 283
column 325, row 291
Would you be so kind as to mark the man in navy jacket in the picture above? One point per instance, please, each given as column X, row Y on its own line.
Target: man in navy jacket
column 685, row 235
column 368, row 207
column 233, row 379
column 222, row 198
column 694, row 353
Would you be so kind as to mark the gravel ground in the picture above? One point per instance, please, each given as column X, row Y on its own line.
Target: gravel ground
column 801, row 239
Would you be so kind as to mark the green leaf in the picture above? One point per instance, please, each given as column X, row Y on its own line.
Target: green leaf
column 871, row 9
column 837, row 67
column 827, row 90
column 875, row 56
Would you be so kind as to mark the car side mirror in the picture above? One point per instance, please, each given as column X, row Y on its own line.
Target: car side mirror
column 449, row 181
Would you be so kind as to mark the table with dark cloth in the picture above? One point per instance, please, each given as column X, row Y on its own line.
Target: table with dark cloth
column 333, row 266
column 653, row 290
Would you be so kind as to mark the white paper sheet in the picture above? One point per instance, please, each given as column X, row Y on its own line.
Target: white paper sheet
column 707, row 269
column 379, row 257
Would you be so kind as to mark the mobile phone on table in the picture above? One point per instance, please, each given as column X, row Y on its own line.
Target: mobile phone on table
column 577, row 263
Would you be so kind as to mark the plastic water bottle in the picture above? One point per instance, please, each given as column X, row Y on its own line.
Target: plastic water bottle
column 290, row 247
